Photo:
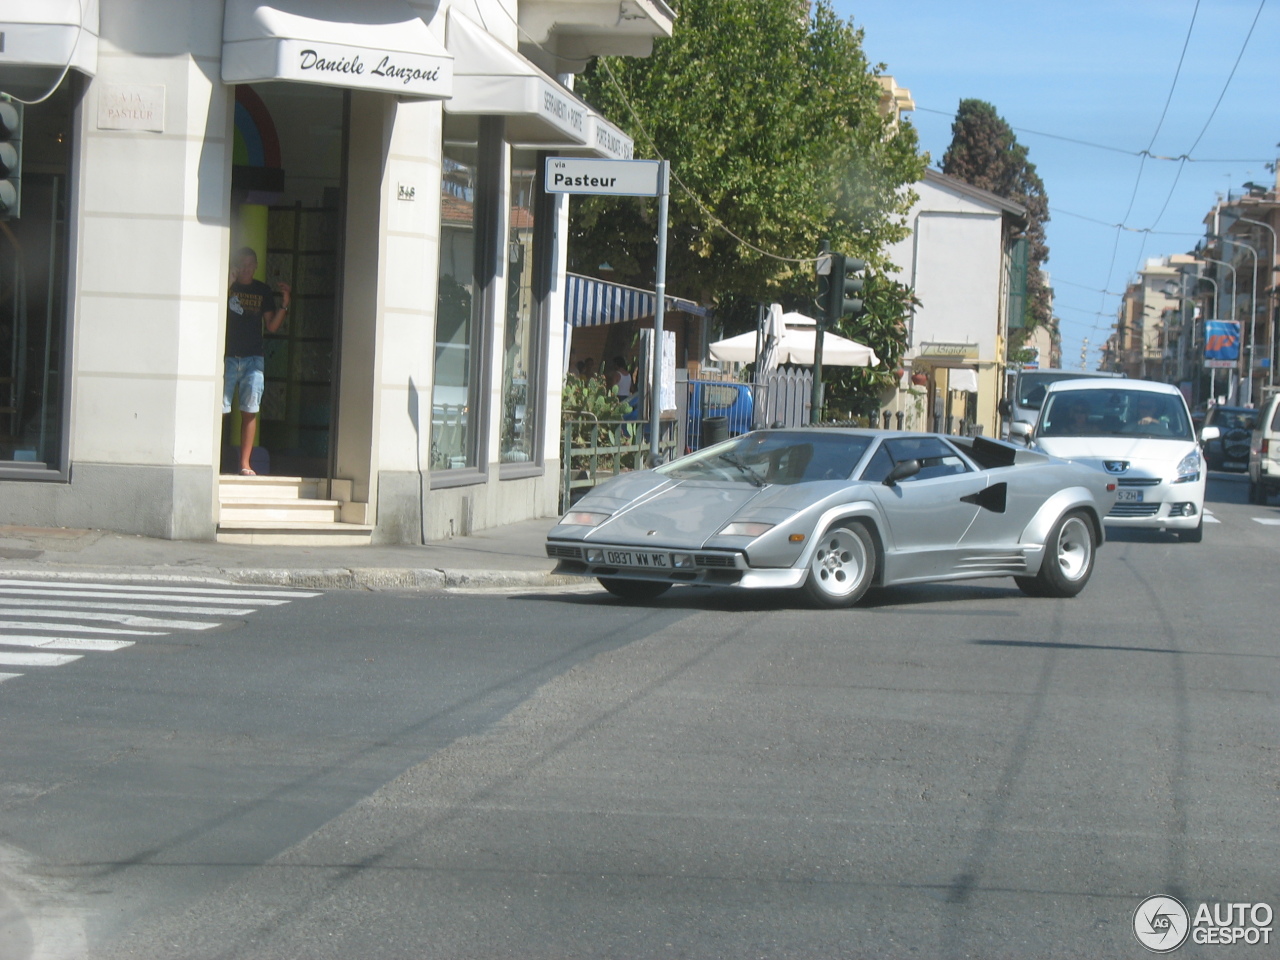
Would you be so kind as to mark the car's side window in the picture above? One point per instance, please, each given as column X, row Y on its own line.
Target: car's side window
column 936, row 458
column 1275, row 418
column 878, row 466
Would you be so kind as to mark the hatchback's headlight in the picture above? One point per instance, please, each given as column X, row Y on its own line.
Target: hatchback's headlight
column 583, row 518
column 1189, row 468
column 746, row 528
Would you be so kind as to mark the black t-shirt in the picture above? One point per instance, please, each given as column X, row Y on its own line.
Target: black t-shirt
column 246, row 302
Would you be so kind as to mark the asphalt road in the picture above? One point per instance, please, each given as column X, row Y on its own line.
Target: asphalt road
column 947, row 771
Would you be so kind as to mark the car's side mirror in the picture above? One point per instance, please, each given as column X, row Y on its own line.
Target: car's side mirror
column 1209, row 433
column 1005, row 408
column 900, row 471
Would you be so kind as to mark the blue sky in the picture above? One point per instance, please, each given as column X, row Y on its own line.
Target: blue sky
column 1099, row 72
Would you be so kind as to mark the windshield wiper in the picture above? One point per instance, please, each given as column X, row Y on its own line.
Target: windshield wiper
column 750, row 474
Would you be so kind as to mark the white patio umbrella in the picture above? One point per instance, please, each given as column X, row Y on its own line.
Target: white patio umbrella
column 796, row 346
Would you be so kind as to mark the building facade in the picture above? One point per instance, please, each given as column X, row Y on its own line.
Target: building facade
column 960, row 261
column 383, row 158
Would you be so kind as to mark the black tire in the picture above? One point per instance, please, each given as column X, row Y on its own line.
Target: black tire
column 842, row 567
column 1069, row 552
column 1195, row 534
column 634, row 590
column 1256, row 496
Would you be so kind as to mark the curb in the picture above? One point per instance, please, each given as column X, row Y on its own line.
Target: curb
column 337, row 578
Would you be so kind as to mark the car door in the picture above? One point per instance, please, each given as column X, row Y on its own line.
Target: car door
column 927, row 514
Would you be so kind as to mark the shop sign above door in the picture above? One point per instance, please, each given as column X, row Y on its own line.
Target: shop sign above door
column 948, row 351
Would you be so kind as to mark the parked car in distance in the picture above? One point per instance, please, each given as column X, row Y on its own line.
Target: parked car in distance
column 1230, row 449
column 1023, row 406
column 1264, row 452
column 1139, row 433
column 833, row 512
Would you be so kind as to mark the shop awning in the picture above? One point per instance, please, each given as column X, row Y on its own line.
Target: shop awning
column 39, row 41
column 593, row 303
column 380, row 45
column 491, row 79
column 605, row 140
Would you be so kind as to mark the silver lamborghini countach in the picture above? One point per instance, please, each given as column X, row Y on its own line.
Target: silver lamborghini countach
column 836, row 511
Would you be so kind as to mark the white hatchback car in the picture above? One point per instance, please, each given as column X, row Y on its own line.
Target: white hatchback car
column 1139, row 432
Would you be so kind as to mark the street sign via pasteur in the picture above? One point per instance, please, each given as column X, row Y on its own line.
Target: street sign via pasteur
column 616, row 178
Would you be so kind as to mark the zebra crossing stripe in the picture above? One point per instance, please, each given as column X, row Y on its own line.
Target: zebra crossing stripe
column 139, row 607
column 1267, row 521
column 8, row 676
column 120, row 595
column 65, row 643
column 77, row 627
column 125, row 618
column 161, row 588
column 20, row 659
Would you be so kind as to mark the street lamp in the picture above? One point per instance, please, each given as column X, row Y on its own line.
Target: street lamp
column 1247, row 400
column 1217, row 305
column 1271, row 367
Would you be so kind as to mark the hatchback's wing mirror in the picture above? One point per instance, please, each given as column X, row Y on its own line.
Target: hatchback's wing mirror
column 900, row 471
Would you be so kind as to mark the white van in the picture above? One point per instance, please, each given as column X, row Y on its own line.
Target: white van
column 1022, row 406
column 1264, row 452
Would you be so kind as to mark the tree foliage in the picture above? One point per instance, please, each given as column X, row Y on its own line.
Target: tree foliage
column 771, row 120
column 985, row 153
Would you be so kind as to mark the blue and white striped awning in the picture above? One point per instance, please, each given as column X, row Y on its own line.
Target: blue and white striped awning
column 593, row 303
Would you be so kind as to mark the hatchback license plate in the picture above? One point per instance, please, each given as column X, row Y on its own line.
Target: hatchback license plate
column 636, row 558
column 1129, row 496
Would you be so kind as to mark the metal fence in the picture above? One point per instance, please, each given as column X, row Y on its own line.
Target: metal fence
column 597, row 450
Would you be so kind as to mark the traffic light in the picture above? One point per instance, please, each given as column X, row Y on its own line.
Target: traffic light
column 843, row 287
column 10, row 159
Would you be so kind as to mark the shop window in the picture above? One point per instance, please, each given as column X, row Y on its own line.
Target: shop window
column 33, row 294
column 453, row 393
column 520, row 367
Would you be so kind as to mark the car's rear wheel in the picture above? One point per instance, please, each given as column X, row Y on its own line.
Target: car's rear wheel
column 634, row 590
column 1068, row 560
column 842, row 567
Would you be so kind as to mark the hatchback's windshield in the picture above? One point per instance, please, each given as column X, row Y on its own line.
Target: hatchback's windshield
column 1120, row 413
column 774, row 457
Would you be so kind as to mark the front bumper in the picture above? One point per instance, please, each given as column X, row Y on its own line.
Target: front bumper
column 1164, row 505
column 708, row 568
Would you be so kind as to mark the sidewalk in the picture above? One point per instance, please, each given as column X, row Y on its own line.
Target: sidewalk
column 511, row 555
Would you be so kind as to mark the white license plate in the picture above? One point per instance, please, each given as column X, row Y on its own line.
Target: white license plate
column 636, row 558
column 1128, row 496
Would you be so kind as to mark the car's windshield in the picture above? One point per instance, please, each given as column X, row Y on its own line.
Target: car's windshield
column 1232, row 418
column 1031, row 386
column 1119, row 412
column 774, row 457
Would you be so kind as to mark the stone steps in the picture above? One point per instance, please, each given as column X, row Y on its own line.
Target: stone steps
column 290, row 511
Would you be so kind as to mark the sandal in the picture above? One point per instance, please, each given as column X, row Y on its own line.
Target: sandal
column 246, row 472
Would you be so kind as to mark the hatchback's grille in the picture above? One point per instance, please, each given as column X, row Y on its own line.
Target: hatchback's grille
column 1139, row 481
column 1134, row 510
column 565, row 553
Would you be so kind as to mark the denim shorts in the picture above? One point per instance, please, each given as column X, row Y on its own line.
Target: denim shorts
column 246, row 372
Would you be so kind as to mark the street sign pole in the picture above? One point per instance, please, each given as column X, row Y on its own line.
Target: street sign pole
column 659, row 288
column 627, row 178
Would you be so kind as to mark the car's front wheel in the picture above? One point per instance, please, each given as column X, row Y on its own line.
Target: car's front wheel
column 634, row 590
column 842, row 567
column 1068, row 559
